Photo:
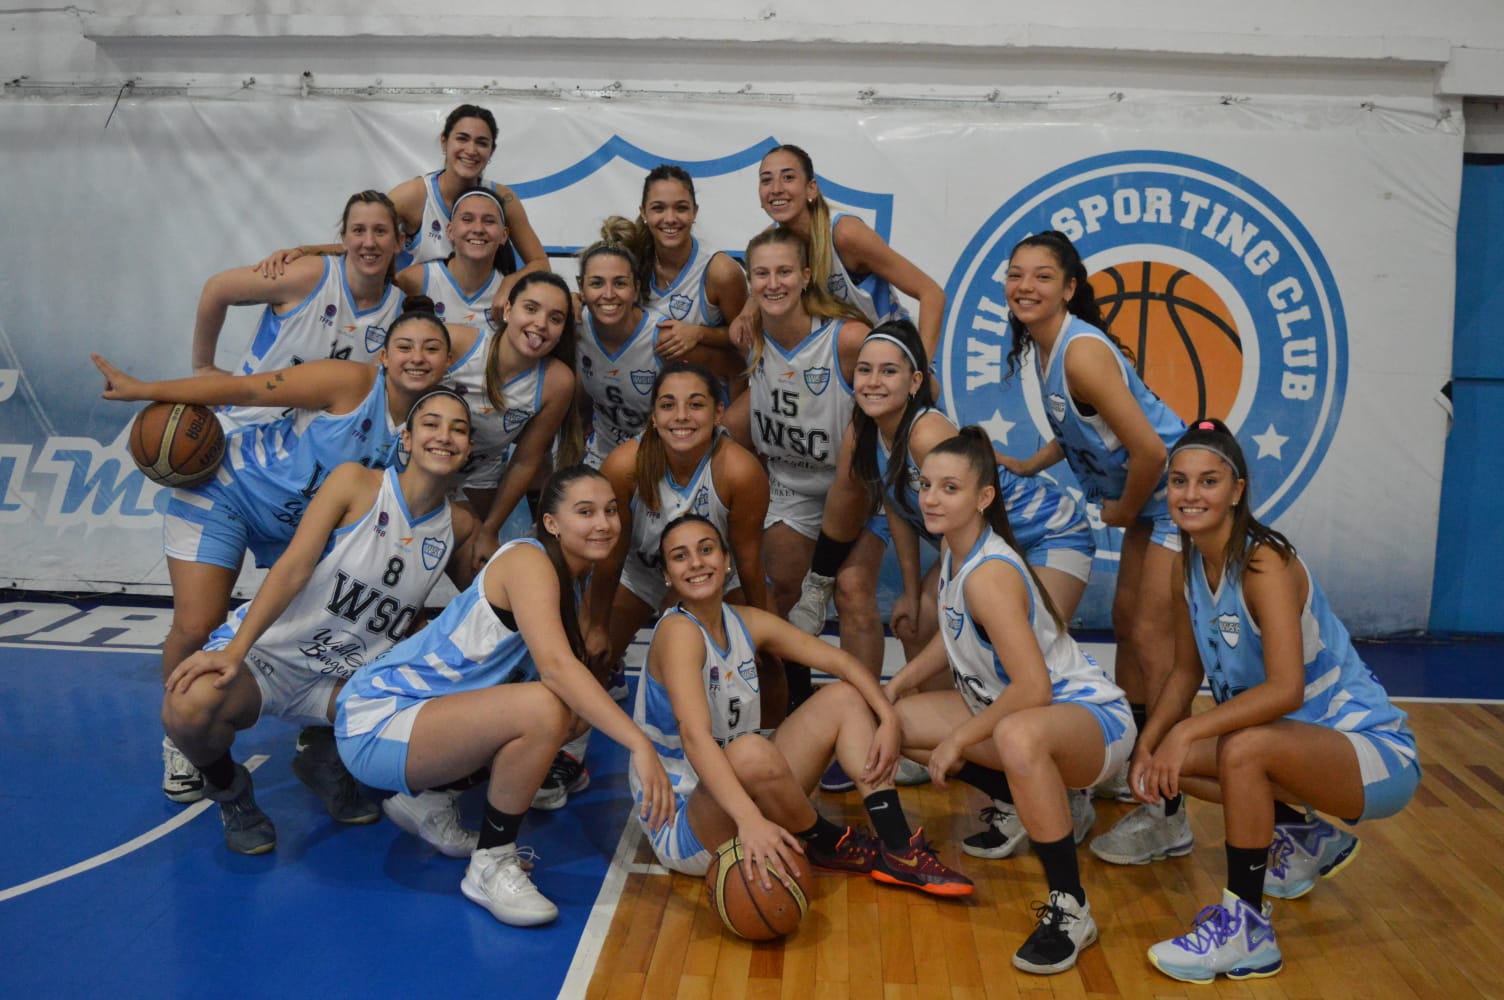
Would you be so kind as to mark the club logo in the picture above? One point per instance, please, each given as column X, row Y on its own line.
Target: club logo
column 1224, row 298
column 1230, row 627
column 679, row 305
column 375, row 338
column 513, row 419
column 818, row 379
column 642, row 379
column 953, row 621
column 433, row 552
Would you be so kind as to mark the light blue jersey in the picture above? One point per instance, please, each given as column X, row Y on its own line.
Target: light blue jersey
column 272, row 470
column 731, row 688
column 872, row 295
column 1340, row 691
column 619, row 383
column 431, row 240
column 467, row 648
column 326, row 324
column 1096, row 456
column 977, row 669
column 451, row 304
column 1039, row 512
column 684, row 299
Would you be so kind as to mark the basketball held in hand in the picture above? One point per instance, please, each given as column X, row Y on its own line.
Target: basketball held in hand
column 744, row 906
column 177, row 444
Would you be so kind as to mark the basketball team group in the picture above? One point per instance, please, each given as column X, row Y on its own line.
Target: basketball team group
column 726, row 448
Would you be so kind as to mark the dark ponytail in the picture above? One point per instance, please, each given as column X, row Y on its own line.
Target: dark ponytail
column 549, row 502
column 417, row 308
column 1248, row 532
column 864, row 428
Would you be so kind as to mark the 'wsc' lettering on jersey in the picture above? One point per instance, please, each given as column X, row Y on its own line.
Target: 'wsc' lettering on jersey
column 352, row 599
column 1223, row 296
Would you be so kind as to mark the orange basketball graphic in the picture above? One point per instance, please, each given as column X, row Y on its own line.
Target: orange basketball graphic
column 1185, row 343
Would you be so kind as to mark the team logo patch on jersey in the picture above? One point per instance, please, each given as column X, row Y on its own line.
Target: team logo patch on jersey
column 1230, row 627
column 433, row 552
column 836, row 285
column 679, row 305
column 818, row 379
column 701, row 503
column 436, row 231
column 330, row 311
column 438, row 309
column 513, row 419
column 382, row 520
column 953, row 621
column 715, row 679
column 1056, row 405
column 587, row 362
column 1228, row 301
column 642, row 379
column 748, row 670
column 375, row 338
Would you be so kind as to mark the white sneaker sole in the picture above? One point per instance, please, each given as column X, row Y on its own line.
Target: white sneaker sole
column 512, row 918
column 408, row 823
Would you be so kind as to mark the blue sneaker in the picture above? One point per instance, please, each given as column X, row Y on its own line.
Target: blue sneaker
column 1231, row 939
column 835, row 780
column 1303, row 852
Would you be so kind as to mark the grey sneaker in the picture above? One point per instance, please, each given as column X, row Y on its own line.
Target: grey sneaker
column 1146, row 834
column 1115, row 786
column 911, row 773
column 181, row 781
column 497, row 880
column 248, row 830
column 808, row 613
column 434, row 818
column 318, row 766
column 1303, row 852
column 1083, row 813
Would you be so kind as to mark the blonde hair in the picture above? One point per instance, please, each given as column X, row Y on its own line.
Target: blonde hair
column 816, row 300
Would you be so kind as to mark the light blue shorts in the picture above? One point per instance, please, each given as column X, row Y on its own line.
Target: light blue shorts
column 1390, row 769
column 1118, row 733
column 378, row 756
column 204, row 525
column 675, row 845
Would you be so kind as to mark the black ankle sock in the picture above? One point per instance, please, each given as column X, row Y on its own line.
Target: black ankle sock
column 824, row 834
column 993, row 784
column 829, row 555
column 1286, row 813
column 1245, row 873
column 888, row 820
column 499, row 828
column 1140, row 714
column 1172, row 806
column 221, row 773
column 1060, row 869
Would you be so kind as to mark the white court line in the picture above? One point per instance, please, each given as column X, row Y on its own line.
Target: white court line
column 593, row 937
column 183, row 818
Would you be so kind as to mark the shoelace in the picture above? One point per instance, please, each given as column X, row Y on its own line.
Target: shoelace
column 1280, row 853
column 1212, row 928
column 179, row 764
column 993, row 816
column 1051, row 918
column 563, row 770
column 512, row 870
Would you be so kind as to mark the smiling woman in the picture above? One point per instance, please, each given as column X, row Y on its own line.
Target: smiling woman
column 337, row 411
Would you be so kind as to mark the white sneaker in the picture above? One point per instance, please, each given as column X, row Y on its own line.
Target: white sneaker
column 1083, row 813
column 181, row 781
column 497, row 881
column 1064, row 930
column 1231, row 939
column 808, row 613
column 1146, row 834
column 911, row 773
column 434, row 818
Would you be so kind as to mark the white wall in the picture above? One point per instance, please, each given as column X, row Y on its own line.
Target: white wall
column 1380, row 48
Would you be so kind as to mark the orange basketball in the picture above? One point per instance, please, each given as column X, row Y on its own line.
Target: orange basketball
column 746, row 908
column 177, row 444
column 1185, row 344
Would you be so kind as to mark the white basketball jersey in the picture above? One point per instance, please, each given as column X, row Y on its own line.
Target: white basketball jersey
column 698, row 496
column 493, row 431
column 364, row 593
column 801, row 405
column 684, row 299
column 978, row 672
column 326, row 324
column 451, row 304
column 431, row 241
column 619, row 384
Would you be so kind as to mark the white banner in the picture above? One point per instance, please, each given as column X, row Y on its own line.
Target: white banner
column 1288, row 269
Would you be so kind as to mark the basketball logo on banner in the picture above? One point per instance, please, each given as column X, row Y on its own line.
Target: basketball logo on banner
column 1224, row 298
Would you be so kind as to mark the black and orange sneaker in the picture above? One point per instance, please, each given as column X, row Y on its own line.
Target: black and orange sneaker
column 917, row 867
column 857, row 852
